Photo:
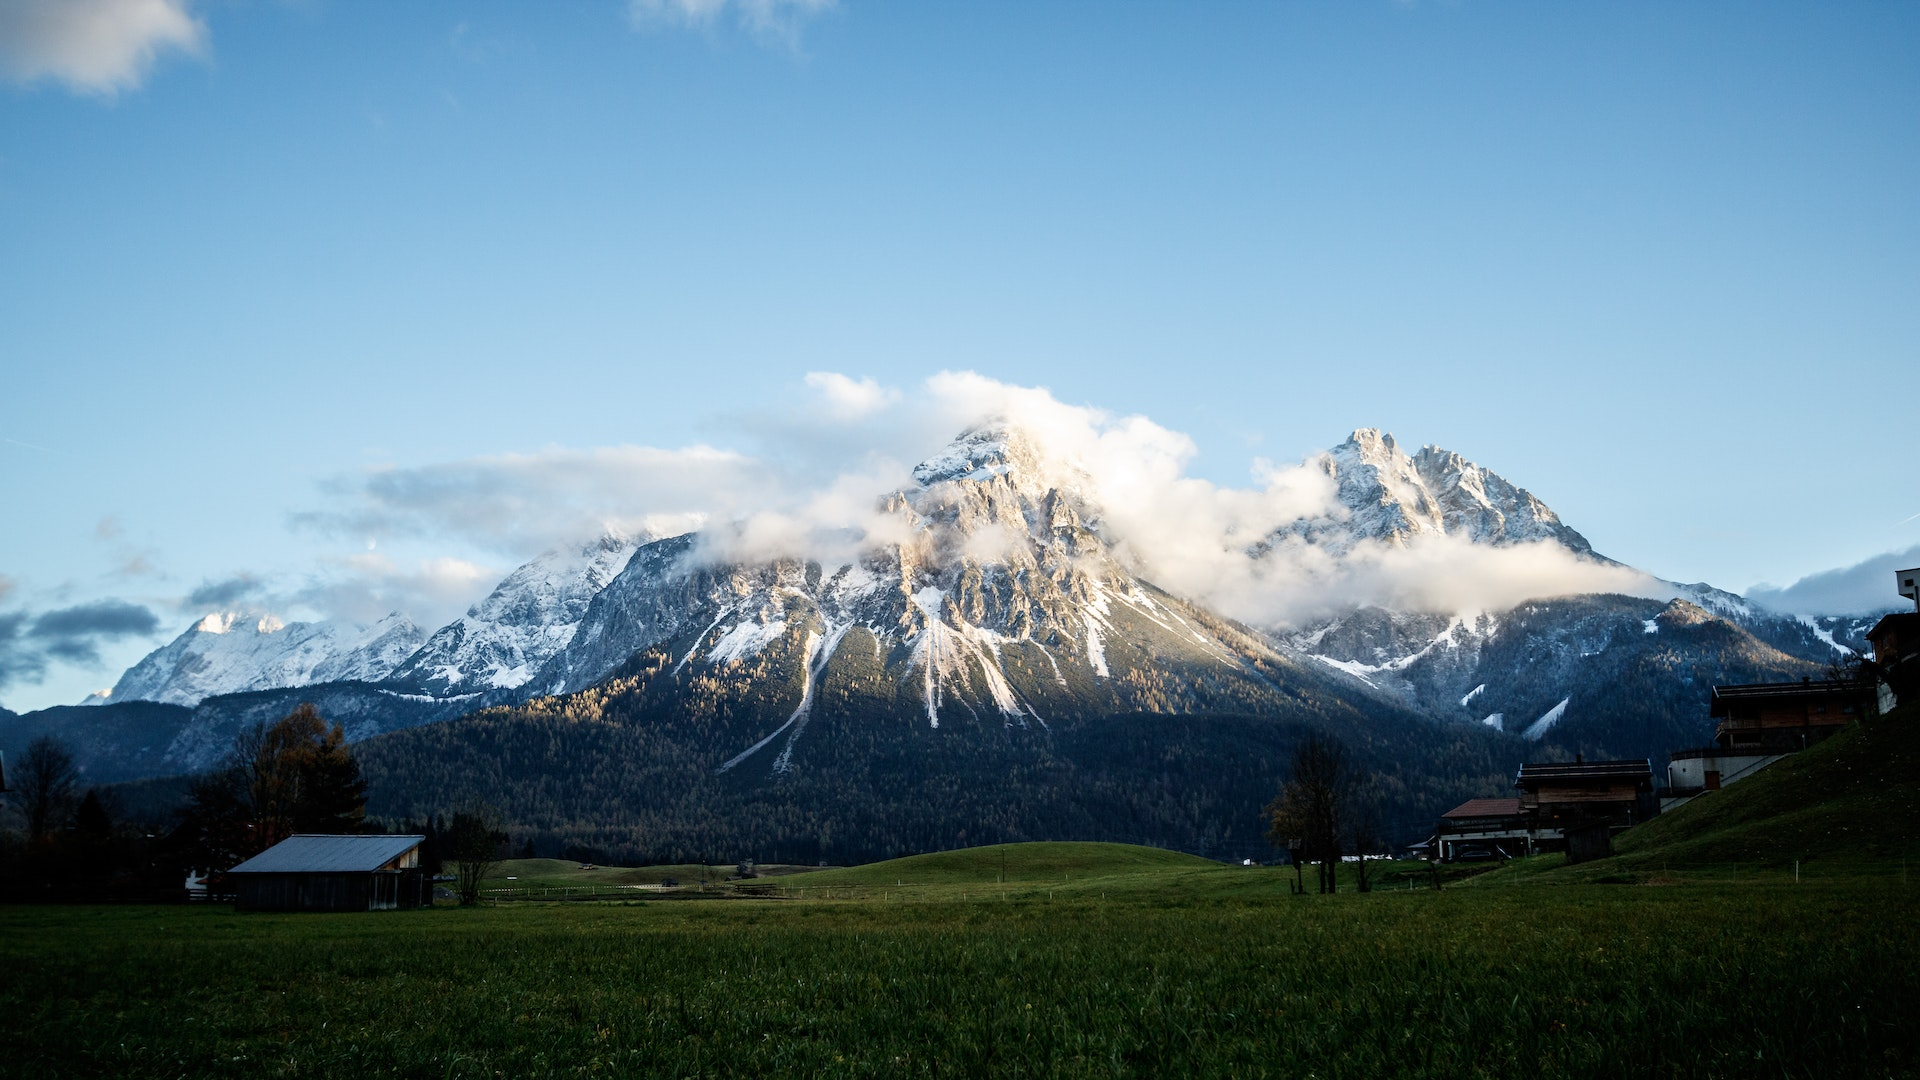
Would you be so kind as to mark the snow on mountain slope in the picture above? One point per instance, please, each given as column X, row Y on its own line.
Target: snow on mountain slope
column 990, row 598
column 502, row 641
column 230, row 652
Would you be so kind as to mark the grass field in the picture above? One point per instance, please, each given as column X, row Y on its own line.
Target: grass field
column 1141, row 964
column 1768, row 930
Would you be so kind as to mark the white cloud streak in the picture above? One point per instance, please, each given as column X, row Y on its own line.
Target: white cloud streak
column 94, row 46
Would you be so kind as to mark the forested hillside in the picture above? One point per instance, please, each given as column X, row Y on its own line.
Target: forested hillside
column 633, row 770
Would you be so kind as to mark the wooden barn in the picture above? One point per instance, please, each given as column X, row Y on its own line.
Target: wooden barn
column 1780, row 717
column 333, row 873
column 1484, row 829
column 1583, row 803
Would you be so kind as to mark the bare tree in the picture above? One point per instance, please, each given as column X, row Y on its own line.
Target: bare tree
column 45, row 780
column 1363, row 822
column 473, row 842
column 1311, row 803
column 1314, row 806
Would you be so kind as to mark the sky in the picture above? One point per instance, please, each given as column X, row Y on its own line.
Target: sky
column 338, row 308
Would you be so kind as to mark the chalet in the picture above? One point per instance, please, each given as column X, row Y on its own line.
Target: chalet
column 333, row 873
column 1483, row 829
column 1896, row 648
column 1779, row 718
column 1578, row 805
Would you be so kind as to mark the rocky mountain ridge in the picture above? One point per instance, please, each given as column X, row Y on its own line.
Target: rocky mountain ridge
column 229, row 652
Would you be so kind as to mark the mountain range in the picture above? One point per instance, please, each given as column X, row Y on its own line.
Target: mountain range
column 989, row 662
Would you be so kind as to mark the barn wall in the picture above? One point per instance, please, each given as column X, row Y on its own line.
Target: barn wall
column 376, row 891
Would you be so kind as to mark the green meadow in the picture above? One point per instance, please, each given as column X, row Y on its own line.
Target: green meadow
column 1768, row 930
column 1146, row 965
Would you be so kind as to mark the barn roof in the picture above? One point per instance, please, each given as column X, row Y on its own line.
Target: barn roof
column 1485, row 808
column 309, row 853
column 1639, row 768
column 1778, row 693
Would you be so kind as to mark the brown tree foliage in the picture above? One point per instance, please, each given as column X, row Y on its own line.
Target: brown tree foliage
column 295, row 775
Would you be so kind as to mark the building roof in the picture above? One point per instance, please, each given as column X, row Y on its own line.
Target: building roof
column 310, row 853
column 1907, row 621
column 1723, row 696
column 1638, row 768
column 1485, row 808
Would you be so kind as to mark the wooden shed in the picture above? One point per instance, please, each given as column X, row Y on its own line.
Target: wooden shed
column 312, row 872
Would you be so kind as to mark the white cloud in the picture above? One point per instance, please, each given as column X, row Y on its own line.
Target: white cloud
column 847, row 399
column 94, row 46
column 1198, row 539
column 365, row 588
column 1864, row 588
column 770, row 19
column 522, row 504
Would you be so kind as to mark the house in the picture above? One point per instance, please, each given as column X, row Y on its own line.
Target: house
column 1483, row 829
column 1588, row 799
column 1896, row 647
column 1779, row 718
column 1692, row 773
column 311, row 872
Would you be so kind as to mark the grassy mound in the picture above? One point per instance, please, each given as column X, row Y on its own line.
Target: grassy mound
column 1047, row 862
column 1854, row 798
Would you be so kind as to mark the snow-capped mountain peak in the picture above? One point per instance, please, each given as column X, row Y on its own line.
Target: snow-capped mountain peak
column 227, row 652
column 1390, row 497
column 503, row 640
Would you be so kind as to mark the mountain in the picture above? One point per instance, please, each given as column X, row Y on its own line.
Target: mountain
column 1605, row 675
column 981, row 664
column 989, row 672
column 1387, row 496
column 501, row 642
column 995, row 600
column 125, row 740
column 234, row 652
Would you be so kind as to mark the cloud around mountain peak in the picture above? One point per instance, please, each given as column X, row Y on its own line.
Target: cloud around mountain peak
column 1293, row 544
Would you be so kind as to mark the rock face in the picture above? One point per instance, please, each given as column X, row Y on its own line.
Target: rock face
column 504, row 640
column 1390, row 497
column 234, row 652
column 1608, row 676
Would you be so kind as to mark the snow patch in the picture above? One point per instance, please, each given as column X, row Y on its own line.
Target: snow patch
column 1650, row 626
column 1357, row 670
column 1471, row 694
column 745, row 639
column 1538, row 729
column 1825, row 636
column 1097, row 651
column 1496, row 721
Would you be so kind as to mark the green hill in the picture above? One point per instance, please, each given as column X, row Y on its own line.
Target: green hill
column 1042, row 862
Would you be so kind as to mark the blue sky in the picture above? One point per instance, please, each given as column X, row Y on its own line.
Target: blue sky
column 1658, row 263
